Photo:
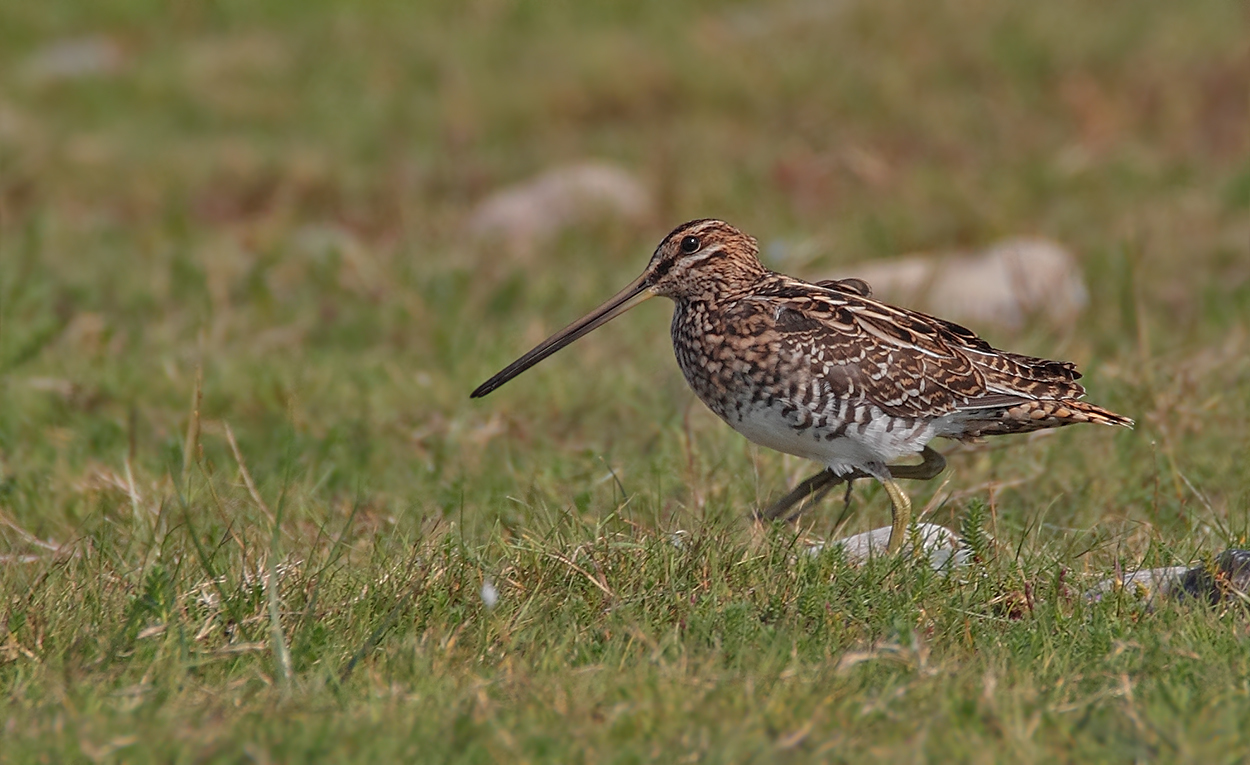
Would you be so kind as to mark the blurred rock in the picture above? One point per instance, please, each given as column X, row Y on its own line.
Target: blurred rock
column 1147, row 583
column 1227, row 578
column 63, row 388
column 1003, row 285
column 781, row 18
column 530, row 214
column 939, row 544
column 73, row 59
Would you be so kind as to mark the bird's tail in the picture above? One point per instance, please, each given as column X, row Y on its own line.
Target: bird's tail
column 1028, row 416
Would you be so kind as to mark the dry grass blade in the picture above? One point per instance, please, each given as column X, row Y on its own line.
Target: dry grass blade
column 596, row 581
column 281, row 652
column 246, row 475
column 191, row 445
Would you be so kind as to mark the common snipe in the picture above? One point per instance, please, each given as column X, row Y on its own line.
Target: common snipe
column 825, row 372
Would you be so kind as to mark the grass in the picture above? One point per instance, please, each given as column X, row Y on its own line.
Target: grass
column 247, row 510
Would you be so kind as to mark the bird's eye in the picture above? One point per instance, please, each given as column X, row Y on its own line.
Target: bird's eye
column 690, row 244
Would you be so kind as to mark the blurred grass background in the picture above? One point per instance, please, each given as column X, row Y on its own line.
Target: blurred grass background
column 273, row 198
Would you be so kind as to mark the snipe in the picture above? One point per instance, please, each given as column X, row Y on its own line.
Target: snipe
column 825, row 372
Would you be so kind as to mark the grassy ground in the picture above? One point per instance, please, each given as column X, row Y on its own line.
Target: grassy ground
column 252, row 229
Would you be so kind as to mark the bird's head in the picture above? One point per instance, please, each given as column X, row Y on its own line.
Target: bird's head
column 702, row 258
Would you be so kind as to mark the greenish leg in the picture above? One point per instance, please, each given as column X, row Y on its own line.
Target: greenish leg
column 933, row 464
column 806, row 494
column 811, row 491
column 900, row 514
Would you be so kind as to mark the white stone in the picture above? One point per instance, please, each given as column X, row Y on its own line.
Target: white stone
column 940, row 545
column 1003, row 285
column 527, row 215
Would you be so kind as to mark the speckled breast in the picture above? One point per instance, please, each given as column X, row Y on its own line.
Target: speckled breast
column 765, row 389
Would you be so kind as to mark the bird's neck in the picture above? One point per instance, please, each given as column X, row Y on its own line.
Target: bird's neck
column 717, row 288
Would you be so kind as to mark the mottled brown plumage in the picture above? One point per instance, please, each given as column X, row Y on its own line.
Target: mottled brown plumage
column 826, row 372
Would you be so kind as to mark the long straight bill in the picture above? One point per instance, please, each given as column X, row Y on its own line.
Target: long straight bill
column 621, row 302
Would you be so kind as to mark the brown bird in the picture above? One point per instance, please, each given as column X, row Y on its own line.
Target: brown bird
column 825, row 372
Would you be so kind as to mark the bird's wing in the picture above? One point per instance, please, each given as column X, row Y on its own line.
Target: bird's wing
column 907, row 363
column 851, row 284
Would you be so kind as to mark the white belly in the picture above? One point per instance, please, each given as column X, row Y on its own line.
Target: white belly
column 857, row 446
